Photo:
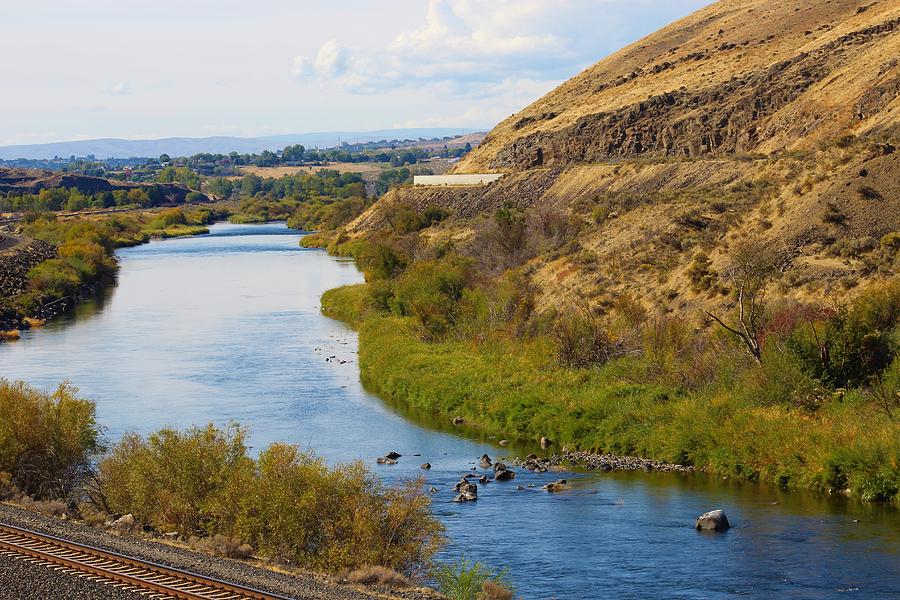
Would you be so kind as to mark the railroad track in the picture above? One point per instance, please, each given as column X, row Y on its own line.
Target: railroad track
column 126, row 573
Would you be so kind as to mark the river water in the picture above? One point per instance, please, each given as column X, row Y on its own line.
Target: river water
column 227, row 326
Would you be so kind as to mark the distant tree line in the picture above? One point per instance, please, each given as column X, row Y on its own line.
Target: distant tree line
column 71, row 199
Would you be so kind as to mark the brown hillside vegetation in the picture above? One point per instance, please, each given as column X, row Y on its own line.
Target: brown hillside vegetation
column 750, row 120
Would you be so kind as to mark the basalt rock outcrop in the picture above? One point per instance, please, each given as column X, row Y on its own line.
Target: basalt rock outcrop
column 737, row 77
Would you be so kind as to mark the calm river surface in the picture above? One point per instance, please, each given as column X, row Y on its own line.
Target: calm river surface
column 227, row 327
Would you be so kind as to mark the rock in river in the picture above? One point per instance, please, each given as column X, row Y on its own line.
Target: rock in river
column 557, row 486
column 384, row 460
column 426, row 465
column 714, row 520
column 504, row 475
column 485, row 462
column 468, row 492
column 393, row 455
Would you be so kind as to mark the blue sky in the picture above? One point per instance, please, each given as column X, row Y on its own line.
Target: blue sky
column 146, row 69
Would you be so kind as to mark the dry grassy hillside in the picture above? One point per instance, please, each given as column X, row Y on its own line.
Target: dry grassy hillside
column 775, row 122
column 741, row 76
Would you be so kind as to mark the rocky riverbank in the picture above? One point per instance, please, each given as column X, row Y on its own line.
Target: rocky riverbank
column 15, row 262
column 568, row 459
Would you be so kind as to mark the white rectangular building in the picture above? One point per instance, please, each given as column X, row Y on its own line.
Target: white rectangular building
column 466, row 179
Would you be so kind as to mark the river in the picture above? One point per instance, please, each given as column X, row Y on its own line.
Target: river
column 227, row 326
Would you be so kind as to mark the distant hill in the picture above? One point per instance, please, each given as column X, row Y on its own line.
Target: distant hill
column 32, row 181
column 184, row 146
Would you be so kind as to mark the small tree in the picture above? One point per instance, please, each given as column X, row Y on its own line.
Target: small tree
column 752, row 265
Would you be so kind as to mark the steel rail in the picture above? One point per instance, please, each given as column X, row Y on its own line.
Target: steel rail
column 122, row 571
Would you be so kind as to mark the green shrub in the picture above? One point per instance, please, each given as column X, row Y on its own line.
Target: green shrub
column 405, row 219
column 54, row 278
column 381, row 259
column 464, row 579
column 174, row 479
column 856, row 343
column 47, row 440
column 431, row 290
column 335, row 518
column 168, row 218
column 287, row 504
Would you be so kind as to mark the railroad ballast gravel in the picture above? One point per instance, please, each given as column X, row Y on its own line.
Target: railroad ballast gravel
column 305, row 586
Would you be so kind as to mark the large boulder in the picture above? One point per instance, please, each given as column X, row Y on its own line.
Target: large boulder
column 125, row 523
column 714, row 520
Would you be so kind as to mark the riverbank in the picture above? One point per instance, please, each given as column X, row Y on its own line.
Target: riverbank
column 513, row 388
column 61, row 263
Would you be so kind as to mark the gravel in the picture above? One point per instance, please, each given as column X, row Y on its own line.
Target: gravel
column 599, row 462
column 25, row 581
column 22, row 580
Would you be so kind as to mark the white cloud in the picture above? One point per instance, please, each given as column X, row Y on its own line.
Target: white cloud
column 462, row 46
column 120, row 88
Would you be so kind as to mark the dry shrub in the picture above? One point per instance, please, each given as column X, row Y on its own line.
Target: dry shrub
column 8, row 489
column 583, row 341
column 491, row 590
column 221, row 545
column 53, row 508
column 91, row 516
column 379, row 576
